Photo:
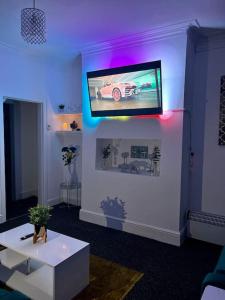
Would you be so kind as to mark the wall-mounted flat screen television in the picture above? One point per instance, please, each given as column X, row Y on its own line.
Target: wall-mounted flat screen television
column 126, row 91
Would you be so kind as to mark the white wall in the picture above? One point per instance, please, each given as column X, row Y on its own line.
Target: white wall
column 187, row 122
column 44, row 79
column 152, row 204
column 207, row 193
column 213, row 188
column 212, row 197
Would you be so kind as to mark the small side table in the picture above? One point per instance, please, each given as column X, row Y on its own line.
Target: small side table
column 69, row 188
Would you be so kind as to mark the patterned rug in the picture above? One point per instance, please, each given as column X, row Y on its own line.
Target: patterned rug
column 108, row 280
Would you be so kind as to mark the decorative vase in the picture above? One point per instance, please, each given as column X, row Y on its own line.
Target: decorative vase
column 104, row 164
column 71, row 173
column 73, row 125
column 37, row 228
column 61, row 108
column 40, row 233
column 107, row 164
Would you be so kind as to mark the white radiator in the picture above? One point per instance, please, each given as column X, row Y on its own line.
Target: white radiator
column 207, row 227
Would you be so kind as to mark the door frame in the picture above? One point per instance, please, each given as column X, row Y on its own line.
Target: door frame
column 42, row 155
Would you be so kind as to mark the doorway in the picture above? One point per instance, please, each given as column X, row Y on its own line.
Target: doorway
column 22, row 158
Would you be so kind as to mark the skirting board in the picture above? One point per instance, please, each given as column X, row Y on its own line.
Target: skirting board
column 53, row 201
column 27, row 194
column 152, row 232
column 56, row 200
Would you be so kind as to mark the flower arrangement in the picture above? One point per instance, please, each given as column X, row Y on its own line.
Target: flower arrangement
column 69, row 153
column 39, row 215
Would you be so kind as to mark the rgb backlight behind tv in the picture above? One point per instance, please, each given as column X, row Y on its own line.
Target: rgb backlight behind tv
column 126, row 91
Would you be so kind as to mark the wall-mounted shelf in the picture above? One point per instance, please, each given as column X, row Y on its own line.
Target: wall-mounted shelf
column 69, row 113
column 62, row 121
column 75, row 132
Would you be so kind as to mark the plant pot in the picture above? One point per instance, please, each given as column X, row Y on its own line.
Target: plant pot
column 107, row 164
column 37, row 228
column 40, row 233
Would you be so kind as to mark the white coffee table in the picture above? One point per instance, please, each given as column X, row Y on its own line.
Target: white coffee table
column 59, row 269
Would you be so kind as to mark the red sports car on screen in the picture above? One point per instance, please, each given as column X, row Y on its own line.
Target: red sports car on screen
column 118, row 90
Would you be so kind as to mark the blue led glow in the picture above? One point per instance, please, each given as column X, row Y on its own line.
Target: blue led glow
column 88, row 120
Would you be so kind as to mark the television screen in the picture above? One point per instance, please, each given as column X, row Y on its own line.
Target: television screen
column 126, row 91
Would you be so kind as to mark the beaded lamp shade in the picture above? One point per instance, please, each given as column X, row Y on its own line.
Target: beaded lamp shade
column 33, row 25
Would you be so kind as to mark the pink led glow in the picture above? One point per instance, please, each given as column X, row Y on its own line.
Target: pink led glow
column 172, row 59
column 147, row 117
column 122, row 60
column 166, row 115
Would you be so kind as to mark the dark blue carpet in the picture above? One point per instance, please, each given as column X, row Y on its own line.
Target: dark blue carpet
column 170, row 272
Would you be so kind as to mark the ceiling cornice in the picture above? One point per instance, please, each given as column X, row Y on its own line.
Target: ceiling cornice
column 149, row 36
column 152, row 35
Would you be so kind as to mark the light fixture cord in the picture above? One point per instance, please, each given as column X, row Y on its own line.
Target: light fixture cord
column 34, row 3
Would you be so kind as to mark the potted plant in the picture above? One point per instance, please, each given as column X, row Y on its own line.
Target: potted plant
column 39, row 216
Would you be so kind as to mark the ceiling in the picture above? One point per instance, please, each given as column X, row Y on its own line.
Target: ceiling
column 74, row 24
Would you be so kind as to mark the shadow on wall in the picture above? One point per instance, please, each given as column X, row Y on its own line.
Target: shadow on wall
column 114, row 211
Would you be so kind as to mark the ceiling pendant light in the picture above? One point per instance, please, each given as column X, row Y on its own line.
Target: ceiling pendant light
column 33, row 25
